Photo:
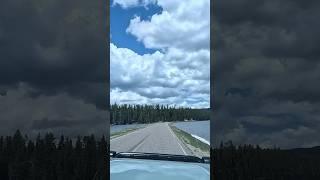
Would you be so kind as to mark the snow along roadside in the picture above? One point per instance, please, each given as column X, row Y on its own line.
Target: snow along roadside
column 201, row 139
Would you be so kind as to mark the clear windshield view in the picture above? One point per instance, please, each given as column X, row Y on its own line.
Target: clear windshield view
column 160, row 78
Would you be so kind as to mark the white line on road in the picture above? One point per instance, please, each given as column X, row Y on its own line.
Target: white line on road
column 177, row 140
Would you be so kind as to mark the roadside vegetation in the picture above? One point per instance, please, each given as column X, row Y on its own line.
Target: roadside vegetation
column 189, row 140
column 121, row 133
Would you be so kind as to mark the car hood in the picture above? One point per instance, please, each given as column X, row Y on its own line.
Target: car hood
column 140, row 169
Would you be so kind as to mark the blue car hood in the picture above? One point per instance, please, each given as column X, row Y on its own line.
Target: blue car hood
column 138, row 169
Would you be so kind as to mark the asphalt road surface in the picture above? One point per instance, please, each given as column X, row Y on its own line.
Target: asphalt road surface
column 155, row 138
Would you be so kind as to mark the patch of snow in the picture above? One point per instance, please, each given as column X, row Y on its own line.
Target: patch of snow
column 200, row 139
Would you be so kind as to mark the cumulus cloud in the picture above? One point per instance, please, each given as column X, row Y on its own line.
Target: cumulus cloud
column 267, row 66
column 52, row 67
column 59, row 113
column 178, row 72
column 181, row 24
column 158, row 78
column 132, row 3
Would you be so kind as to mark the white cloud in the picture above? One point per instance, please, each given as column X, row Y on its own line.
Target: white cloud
column 181, row 24
column 132, row 3
column 158, row 78
column 178, row 74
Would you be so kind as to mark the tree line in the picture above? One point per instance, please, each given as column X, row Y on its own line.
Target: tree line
column 128, row 114
column 248, row 162
column 48, row 158
column 85, row 158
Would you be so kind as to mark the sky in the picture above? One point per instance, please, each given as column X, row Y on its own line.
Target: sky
column 52, row 67
column 160, row 52
column 267, row 68
column 267, row 72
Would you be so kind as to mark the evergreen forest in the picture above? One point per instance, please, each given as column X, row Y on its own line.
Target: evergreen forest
column 128, row 114
column 48, row 158
column 249, row 162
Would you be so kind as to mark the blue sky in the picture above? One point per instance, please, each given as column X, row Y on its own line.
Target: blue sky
column 119, row 21
column 160, row 52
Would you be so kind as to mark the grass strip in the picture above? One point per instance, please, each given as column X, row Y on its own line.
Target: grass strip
column 188, row 139
column 121, row 133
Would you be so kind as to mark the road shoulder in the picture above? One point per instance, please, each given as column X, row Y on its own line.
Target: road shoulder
column 194, row 146
column 125, row 132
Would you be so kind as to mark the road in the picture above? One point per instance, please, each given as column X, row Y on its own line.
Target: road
column 155, row 138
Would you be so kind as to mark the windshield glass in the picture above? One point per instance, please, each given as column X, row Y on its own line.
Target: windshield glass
column 160, row 81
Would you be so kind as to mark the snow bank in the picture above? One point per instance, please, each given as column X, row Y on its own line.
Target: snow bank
column 200, row 139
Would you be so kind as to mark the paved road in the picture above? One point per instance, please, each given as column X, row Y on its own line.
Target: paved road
column 155, row 138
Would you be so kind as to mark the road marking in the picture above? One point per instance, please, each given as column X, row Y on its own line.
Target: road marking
column 177, row 140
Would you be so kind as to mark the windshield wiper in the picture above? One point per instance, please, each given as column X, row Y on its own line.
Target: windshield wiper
column 156, row 156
